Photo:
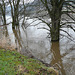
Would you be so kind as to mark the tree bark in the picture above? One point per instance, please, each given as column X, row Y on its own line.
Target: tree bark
column 55, row 28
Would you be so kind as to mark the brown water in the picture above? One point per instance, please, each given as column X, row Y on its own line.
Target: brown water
column 34, row 42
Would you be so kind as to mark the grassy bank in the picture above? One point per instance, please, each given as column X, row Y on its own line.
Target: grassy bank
column 13, row 63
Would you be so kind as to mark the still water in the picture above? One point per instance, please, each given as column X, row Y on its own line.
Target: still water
column 32, row 41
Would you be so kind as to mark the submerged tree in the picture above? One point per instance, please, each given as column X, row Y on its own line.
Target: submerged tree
column 56, row 10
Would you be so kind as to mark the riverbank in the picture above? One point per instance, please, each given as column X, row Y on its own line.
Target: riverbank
column 14, row 63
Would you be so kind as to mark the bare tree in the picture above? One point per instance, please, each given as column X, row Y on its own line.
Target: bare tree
column 16, row 9
column 3, row 10
column 14, row 4
column 57, row 10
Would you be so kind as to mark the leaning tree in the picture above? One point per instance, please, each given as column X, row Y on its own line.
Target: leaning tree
column 61, row 13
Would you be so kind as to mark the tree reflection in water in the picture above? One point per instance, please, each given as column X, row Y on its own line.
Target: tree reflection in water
column 17, row 35
column 37, row 45
column 21, row 41
column 56, row 60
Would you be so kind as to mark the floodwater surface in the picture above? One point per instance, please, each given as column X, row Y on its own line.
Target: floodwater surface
column 32, row 41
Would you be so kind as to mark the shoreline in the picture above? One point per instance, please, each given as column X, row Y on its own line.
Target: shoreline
column 28, row 58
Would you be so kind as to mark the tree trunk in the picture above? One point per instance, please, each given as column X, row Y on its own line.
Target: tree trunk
column 4, row 19
column 13, row 22
column 55, row 28
column 55, row 31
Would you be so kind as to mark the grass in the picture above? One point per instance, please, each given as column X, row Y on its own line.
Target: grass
column 13, row 63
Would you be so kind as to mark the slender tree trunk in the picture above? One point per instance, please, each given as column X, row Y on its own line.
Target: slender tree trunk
column 15, row 19
column 3, row 8
column 13, row 22
column 4, row 19
column 14, row 12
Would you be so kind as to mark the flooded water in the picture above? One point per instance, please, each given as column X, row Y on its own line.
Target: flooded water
column 33, row 41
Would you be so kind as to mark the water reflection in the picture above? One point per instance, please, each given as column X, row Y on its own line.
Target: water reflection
column 33, row 42
column 17, row 35
column 57, row 58
column 6, row 31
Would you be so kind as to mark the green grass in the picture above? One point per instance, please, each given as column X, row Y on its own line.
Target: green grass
column 13, row 63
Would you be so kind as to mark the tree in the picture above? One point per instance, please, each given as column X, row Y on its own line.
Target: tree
column 55, row 10
column 18, row 9
column 3, row 10
column 14, row 4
